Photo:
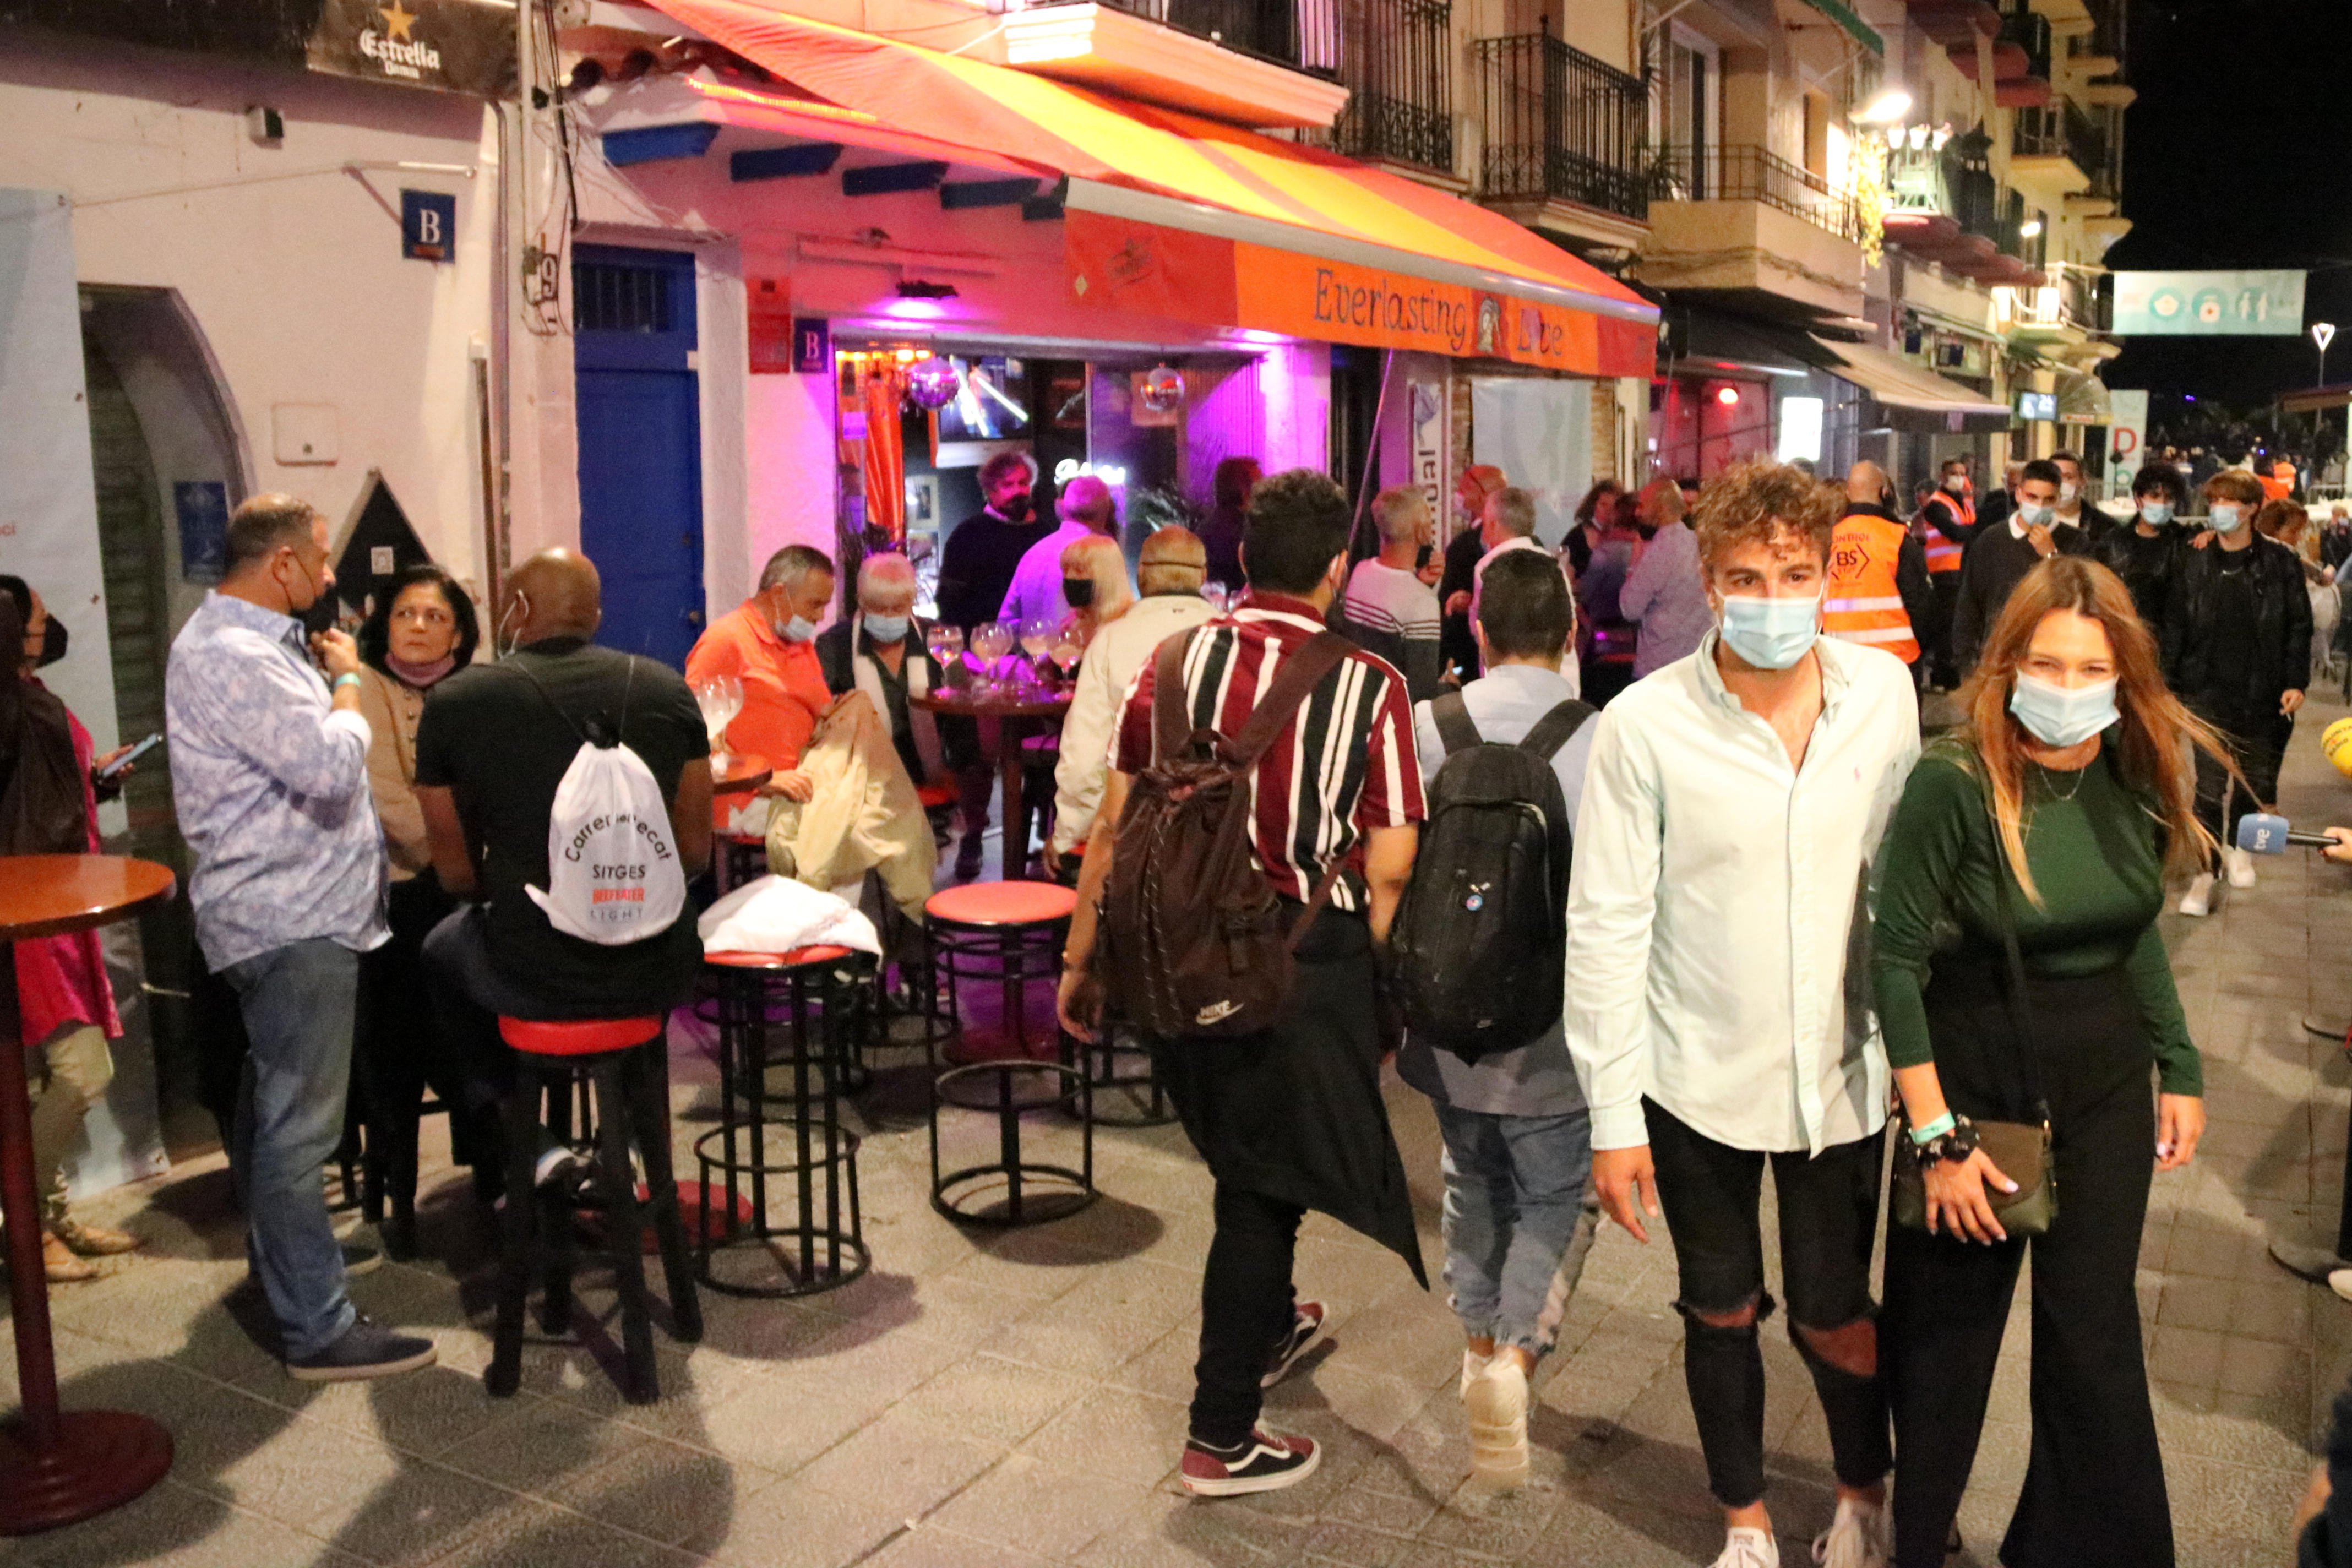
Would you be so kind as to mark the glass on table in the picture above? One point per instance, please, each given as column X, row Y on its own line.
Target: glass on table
column 1069, row 649
column 720, row 698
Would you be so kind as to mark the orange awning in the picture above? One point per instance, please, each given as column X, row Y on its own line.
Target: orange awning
column 1202, row 221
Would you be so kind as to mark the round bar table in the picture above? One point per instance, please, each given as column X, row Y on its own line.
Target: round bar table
column 57, row 1469
column 1020, row 712
column 743, row 773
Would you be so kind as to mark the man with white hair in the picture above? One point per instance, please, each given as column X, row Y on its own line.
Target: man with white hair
column 1389, row 610
column 1508, row 522
column 1037, row 592
column 881, row 651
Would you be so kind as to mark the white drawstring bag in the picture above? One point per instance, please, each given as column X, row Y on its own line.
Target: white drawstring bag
column 614, row 876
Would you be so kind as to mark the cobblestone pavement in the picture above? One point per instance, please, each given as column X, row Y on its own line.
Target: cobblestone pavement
column 1012, row 1400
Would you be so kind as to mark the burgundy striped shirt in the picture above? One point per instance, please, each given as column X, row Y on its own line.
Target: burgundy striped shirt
column 1343, row 766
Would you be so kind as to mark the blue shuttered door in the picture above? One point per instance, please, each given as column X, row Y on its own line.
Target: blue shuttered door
column 640, row 446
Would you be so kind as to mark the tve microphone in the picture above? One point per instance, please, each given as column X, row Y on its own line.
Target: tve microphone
column 2260, row 833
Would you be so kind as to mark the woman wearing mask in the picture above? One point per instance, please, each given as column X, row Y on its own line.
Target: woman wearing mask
column 50, row 785
column 1093, row 583
column 416, row 636
column 2146, row 553
column 2041, row 832
column 2237, row 649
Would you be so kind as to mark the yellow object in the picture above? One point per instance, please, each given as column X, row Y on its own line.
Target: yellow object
column 2336, row 741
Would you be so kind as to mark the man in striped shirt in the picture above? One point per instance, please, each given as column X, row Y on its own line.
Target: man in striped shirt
column 1290, row 1119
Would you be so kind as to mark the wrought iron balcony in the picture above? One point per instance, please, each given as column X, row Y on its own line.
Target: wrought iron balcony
column 1561, row 123
column 1394, row 59
column 1749, row 173
column 2063, row 130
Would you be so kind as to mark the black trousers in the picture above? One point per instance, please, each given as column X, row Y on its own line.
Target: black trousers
column 2095, row 1494
column 1828, row 1223
column 401, row 1048
column 2259, row 742
column 1936, row 637
column 1246, row 1306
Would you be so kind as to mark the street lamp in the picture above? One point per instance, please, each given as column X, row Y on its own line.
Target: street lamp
column 2323, row 334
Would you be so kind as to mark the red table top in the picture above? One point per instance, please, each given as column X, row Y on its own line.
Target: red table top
column 744, row 774
column 1027, row 704
column 48, row 895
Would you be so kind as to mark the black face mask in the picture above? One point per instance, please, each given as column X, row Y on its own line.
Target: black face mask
column 319, row 617
column 1078, row 591
column 1016, row 508
column 1647, row 529
column 53, row 644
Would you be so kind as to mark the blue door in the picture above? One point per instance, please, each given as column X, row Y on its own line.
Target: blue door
column 640, row 446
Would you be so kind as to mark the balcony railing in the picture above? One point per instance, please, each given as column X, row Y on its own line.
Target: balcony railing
column 2030, row 31
column 1301, row 34
column 1561, row 123
column 2063, row 130
column 1395, row 62
column 2070, row 299
column 1754, row 174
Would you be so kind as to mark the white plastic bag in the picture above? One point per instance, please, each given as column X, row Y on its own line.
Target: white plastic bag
column 613, row 870
column 776, row 914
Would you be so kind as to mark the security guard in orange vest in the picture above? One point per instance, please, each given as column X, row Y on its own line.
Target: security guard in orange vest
column 1947, row 523
column 1878, row 573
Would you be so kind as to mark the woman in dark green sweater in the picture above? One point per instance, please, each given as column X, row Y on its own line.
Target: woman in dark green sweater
column 2057, row 812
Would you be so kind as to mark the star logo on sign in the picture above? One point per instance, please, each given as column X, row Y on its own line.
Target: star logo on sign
column 397, row 21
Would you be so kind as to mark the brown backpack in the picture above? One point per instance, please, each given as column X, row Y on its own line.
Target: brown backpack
column 1193, row 942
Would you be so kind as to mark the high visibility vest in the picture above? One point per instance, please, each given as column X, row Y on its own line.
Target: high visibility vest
column 2279, row 485
column 1865, row 605
column 1944, row 552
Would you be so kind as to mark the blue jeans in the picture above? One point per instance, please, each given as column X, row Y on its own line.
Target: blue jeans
column 1514, row 1185
column 298, row 1002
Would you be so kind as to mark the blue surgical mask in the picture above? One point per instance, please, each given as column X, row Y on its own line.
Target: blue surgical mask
column 887, row 628
column 2033, row 516
column 1771, row 634
column 800, row 629
column 2059, row 715
column 2227, row 517
column 2156, row 512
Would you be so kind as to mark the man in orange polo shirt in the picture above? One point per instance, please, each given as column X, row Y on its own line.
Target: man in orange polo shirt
column 769, row 643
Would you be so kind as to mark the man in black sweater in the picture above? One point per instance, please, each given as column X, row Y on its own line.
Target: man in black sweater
column 976, row 567
column 2146, row 552
column 2000, row 556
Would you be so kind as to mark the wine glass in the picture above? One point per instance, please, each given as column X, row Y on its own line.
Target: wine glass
column 1069, row 649
column 720, row 698
column 946, row 644
column 991, row 641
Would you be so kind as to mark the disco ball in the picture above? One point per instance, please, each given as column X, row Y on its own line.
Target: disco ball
column 931, row 383
column 1163, row 390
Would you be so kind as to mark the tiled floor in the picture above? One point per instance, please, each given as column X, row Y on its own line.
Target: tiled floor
column 1015, row 1400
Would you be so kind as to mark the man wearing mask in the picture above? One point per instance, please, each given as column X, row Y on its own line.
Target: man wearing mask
column 1878, row 590
column 1947, row 522
column 1732, row 810
column 1664, row 592
column 769, row 643
column 1999, row 557
column 1996, row 506
column 2071, row 510
column 2146, row 552
column 2336, row 541
column 976, row 566
column 2237, row 649
column 880, row 651
column 269, row 775
column 1086, row 507
column 1457, row 645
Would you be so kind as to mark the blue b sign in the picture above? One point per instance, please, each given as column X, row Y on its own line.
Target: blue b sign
column 428, row 225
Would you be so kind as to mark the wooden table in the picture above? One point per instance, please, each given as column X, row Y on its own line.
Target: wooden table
column 1020, row 712
column 57, row 1469
column 743, row 775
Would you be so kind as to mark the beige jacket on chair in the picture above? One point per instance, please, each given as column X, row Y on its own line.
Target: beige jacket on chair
column 863, row 818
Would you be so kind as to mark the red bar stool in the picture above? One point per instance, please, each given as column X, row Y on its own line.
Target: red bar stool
column 826, row 992
column 1011, row 933
column 616, row 1055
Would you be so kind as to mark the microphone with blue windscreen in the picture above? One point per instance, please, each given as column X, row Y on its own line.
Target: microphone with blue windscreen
column 2260, row 833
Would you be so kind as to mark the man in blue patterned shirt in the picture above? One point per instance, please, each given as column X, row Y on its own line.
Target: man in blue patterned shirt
column 270, row 771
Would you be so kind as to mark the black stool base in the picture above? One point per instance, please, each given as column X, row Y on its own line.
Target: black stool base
column 1058, row 1201
column 772, row 1254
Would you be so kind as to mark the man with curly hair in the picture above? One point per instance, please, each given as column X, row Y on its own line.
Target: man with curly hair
column 1732, row 807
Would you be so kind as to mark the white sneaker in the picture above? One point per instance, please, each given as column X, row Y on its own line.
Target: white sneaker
column 1861, row 1536
column 2197, row 901
column 1745, row 1548
column 1497, row 1404
column 2340, row 1281
column 2240, row 863
column 1473, row 1363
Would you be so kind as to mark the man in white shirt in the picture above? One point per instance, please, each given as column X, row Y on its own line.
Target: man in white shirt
column 1169, row 576
column 1717, row 931
column 1508, row 522
column 1388, row 610
column 1036, row 591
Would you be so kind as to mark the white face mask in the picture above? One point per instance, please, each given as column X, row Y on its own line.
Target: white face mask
column 1957, row 484
column 2068, row 491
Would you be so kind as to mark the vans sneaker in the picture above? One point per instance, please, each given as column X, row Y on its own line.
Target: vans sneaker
column 1266, row 1461
column 1306, row 1333
column 367, row 1350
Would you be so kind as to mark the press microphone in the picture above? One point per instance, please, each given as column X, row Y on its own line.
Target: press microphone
column 2260, row 833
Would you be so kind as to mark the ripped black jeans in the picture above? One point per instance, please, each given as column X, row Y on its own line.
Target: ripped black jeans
column 1829, row 1222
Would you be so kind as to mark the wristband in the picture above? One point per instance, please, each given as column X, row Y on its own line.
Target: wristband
column 349, row 677
column 1934, row 1130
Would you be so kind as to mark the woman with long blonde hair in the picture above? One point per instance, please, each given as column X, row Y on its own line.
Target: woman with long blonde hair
column 2021, row 978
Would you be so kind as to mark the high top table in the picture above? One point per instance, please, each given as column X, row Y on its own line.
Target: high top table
column 57, row 1469
column 1023, row 711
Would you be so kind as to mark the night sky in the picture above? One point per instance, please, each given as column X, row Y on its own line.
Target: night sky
column 2239, row 154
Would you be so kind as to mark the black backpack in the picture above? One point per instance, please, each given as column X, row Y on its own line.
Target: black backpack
column 1479, row 952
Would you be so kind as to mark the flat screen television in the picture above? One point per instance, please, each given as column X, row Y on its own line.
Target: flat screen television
column 989, row 413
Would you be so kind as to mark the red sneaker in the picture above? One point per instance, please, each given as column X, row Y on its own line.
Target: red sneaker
column 1267, row 1462
column 1306, row 1333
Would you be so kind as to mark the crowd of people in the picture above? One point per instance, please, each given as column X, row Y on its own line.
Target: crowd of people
column 1785, row 935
